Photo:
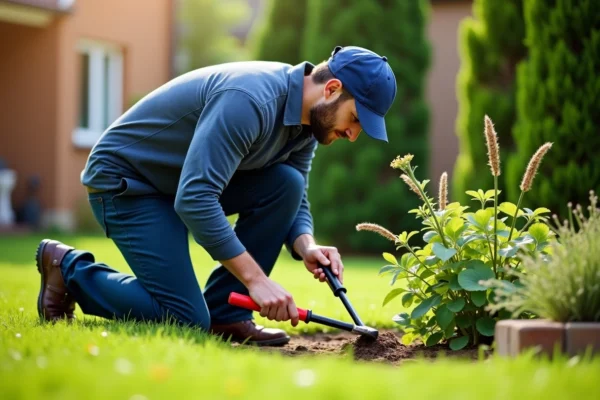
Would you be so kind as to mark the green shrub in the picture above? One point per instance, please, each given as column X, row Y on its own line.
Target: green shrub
column 566, row 286
column 205, row 36
column 463, row 248
column 351, row 182
column 491, row 45
column 280, row 38
column 558, row 86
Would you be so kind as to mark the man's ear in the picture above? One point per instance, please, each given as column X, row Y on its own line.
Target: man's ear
column 332, row 87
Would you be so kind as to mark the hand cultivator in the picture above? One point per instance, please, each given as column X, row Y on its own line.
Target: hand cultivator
column 307, row 316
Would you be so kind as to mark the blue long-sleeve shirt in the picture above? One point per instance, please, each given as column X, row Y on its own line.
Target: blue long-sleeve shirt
column 188, row 137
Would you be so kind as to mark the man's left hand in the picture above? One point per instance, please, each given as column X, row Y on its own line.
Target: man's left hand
column 326, row 255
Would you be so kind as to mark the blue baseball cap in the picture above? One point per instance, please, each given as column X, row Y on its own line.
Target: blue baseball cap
column 370, row 80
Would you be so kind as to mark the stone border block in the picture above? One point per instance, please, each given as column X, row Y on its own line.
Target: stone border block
column 515, row 336
column 544, row 336
column 582, row 335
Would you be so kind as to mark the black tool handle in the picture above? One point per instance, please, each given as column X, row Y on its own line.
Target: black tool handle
column 340, row 291
column 332, row 280
column 334, row 323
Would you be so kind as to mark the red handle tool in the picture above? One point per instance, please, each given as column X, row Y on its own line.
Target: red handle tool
column 240, row 300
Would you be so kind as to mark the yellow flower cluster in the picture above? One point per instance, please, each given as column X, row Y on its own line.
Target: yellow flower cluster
column 402, row 162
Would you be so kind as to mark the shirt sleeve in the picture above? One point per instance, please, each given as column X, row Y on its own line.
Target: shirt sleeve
column 229, row 124
column 303, row 223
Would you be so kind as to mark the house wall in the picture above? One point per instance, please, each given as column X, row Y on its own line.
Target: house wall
column 441, row 86
column 142, row 28
column 28, row 105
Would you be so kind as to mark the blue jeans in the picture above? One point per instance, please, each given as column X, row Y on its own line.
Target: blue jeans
column 154, row 242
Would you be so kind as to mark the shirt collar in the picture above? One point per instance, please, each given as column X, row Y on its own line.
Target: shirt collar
column 293, row 107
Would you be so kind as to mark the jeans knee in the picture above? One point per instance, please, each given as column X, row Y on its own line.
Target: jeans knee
column 201, row 319
column 197, row 317
column 203, row 324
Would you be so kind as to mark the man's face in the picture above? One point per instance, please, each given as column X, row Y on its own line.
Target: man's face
column 335, row 119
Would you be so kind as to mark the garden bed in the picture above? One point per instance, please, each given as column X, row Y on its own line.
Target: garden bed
column 386, row 349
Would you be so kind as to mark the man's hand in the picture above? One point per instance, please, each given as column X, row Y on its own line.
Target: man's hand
column 327, row 256
column 277, row 304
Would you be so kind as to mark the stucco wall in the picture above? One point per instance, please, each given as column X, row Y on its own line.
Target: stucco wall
column 28, row 105
column 441, row 86
column 142, row 29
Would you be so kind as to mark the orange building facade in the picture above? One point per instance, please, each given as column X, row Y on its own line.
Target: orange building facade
column 68, row 69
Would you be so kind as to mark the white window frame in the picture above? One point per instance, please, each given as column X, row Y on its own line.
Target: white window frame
column 87, row 137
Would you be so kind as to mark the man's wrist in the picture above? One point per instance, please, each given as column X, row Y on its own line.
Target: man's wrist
column 245, row 268
column 302, row 243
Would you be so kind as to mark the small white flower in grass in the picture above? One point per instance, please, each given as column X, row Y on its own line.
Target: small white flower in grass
column 305, row 378
column 15, row 355
column 541, row 377
column 573, row 361
column 123, row 366
column 104, row 334
column 21, row 309
column 41, row 362
column 18, row 335
column 138, row 397
column 93, row 350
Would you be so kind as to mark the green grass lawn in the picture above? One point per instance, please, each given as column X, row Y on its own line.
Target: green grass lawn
column 95, row 358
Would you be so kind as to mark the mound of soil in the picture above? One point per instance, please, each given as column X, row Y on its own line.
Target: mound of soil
column 386, row 349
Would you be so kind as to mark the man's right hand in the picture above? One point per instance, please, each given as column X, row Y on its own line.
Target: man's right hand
column 276, row 303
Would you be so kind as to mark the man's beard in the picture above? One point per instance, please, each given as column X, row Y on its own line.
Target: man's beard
column 322, row 120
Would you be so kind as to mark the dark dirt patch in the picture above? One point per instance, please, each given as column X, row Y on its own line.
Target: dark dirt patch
column 386, row 349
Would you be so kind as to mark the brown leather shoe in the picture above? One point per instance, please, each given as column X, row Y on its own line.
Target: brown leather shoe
column 256, row 334
column 54, row 303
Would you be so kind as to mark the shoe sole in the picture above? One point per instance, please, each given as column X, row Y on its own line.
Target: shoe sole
column 270, row 342
column 38, row 261
column 273, row 342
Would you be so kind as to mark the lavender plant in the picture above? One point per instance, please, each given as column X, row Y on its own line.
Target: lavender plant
column 465, row 247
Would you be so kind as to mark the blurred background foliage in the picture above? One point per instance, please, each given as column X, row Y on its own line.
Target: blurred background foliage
column 491, row 45
column 558, row 100
column 279, row 38
column 206, row 34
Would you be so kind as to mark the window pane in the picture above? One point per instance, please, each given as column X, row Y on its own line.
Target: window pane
column 106, row 89
column 84, row 91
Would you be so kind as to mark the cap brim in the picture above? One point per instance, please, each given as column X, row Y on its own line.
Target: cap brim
column 372, row 124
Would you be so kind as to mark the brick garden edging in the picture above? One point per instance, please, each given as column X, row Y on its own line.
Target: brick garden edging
column 514, row 336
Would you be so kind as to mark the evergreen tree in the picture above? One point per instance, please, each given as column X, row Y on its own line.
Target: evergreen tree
column 491, row 46
column 205, row 37
column 353, row 182
column 559, row 101
column 280, row 37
